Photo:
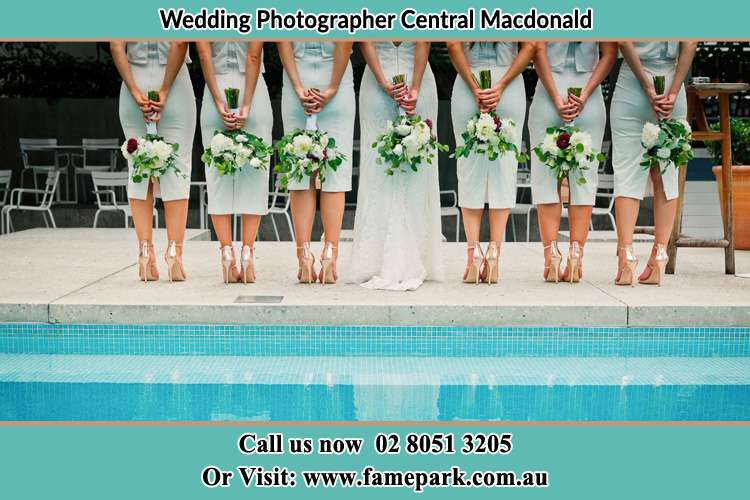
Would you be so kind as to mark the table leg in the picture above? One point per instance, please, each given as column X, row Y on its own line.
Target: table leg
column 726, row 175
column 677, row 226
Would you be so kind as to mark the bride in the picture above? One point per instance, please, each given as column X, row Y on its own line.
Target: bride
column 397, row 229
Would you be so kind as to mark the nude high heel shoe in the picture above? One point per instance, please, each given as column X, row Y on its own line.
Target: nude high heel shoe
column 657, row 271
column 326, row 262
column 174, row 266
column 555, row 257
column 145, row 272
column 247, row 261
column 575, row 272
column 305, row 274
column 474, row 272
column 492, row 259
column 627, row 276
column 228, row 264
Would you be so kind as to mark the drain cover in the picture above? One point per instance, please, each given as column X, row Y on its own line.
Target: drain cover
column 258, row 299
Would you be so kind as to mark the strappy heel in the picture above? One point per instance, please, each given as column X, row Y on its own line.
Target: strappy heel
column 228, row 264
column 492, row 259
column 628, row 272
column 574, row 270
column 326, row 262
column 657, row 269
column 305, row 274
column 174, row 266
column 145, row 273
column 555, row 258
column 247, row 262
column 474, row 271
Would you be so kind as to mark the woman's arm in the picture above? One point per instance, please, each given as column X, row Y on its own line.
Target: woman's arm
column 120, row 57
column 207, row 65
column 341, row 54
column 634, row 61
column 286, row 54
column 252, row 73
column 175, row 60
column 396, row 91
column 421, row 57
column 607, row 58
column 565, row 108
column 461, row 63
column 490, row 98
column 684, row 61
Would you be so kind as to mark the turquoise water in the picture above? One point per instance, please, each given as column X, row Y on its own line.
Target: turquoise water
column 98, row 372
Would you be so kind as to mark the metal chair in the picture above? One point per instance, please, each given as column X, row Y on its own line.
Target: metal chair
column 105, row 184
column 15, row 203
column 33, row 149
column 279, row 205
column 5, row 176
column 605, row 189
column 451, row 210
column 92, row 159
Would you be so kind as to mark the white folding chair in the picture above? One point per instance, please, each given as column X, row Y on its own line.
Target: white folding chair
column 105, row 184
column 16, row 202
column 606, row 189
column 451, row 210
column 32, row 153
column 5, row 176
column 99, row 155
column 279, row 205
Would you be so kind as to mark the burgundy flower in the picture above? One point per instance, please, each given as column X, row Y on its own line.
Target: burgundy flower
column 132, row 146
column 498, row 123
column 563, row 140
column 429, row 123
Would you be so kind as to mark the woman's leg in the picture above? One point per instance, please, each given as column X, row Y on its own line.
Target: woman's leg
column 223, row 226
column 303, row 204
column 549, row 225
column 664, row 214
column 250, row 224
column 579, row 219
column 175, row 215
column 498, row 221
column 626, row 214
column 143, row 221
column 332, row 213
column 472, row 224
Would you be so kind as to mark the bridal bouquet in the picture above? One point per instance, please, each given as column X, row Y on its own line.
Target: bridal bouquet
column 666, row 142
column 306, row 153
column 487, row 133
column 151, row 157
column 231, row 150
column 408, row 140
column 567, row 150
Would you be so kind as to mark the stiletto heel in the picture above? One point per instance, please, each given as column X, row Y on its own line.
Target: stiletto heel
column 657, row 270
column 492, row 258
column 174, row 266
column 305, row 273
column 555, row 258
column 247, row 258
column 145, row 273
column 474, row 272
column 628, row 272
column 227, row 264
column 326, row 262
column 574, row 263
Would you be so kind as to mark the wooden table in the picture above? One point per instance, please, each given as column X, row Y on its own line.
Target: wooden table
column 701, row 132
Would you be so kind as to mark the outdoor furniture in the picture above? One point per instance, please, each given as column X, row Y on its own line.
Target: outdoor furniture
column 451, row 210
column 92, row 159
column 202, row 202
column 105, row 184
column 16, row 202
column 279, row 205
column 605, row 189
column 36, row 155
column 5, row 176
column 701, row 132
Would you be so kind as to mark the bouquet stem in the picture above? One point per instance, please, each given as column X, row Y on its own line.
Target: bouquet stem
column 576, row 91
column 659, row 84
column 233, row 99
column 485, row 79
column 153, row 95
column 399, row 79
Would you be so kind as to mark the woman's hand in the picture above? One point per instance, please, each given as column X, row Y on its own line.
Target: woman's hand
column 305, row 98
column 409, row 102
column 665, row 104
column 142, row 101
column 579, row 102
column 322, row 97
column 490, row 98
column 241, row 119
column 229, row 119
column 396, row 91
column 565, row 109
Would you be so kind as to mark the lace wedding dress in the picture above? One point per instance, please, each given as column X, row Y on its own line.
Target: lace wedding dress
column 397, row 227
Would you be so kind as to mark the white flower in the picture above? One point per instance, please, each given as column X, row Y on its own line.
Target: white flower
column 650, row 135
column 579, row 137
column 398, row 149
column 301, row 145
column 256, row 163
column 240, row 138
column 403, row 129
column 549, row 145
column 664, row 153
column 485, row 127
column 412, row 146
column 388, row 126
column 471, row 126
column 317, row 151
column 324, row 140
column 161, row 149
column 220, row 143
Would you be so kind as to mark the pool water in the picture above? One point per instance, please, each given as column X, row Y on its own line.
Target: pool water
column 200, row 373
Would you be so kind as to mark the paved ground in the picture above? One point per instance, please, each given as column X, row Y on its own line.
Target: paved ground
column 90, row 276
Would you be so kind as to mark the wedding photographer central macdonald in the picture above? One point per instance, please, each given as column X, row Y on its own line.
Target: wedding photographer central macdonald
column 272, row 20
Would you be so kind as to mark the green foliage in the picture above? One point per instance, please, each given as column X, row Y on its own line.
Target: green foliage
column 674, row 138
column 292, row 165
column 230, row 166
column 392, row 153
column 471, row 143
column 565, row 162
column 740, row 130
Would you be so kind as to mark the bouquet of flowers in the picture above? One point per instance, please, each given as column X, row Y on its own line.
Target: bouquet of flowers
column 153, row 95
column 151, row 157
column 567, row 150
column 231, row 150
column 306, row 153
column 407, row 141
column 666, row 142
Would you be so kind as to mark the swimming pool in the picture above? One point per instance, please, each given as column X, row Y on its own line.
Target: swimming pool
column 239, row 372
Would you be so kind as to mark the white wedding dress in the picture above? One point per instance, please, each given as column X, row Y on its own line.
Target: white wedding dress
column 397, row 228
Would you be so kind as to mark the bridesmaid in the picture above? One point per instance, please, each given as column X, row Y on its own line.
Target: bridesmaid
column 634, row 103
column 237, row 65
column 561, row 65
column 397, row 229
column 160, row 66
column 481, row 181
column 318, row 80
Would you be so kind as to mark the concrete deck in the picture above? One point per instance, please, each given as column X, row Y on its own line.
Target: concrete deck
column 90, row 276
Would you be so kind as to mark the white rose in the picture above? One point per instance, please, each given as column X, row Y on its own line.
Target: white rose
column 240, row 138
column 317, row 151
column 650, row 135
column 581, row 138
column 664, row 153
column 256, row 163
column 302, row 145
column 403, row 129
column 398, row 149
column 549, row 145
column 162, row 150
